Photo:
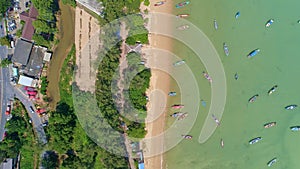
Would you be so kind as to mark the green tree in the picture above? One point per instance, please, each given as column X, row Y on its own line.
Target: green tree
column 5, row 62
column 4, row 5
column 5, row 41
column 50, row 160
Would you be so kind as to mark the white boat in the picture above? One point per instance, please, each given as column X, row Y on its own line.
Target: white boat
column 226, row 50
column 215, row 24
column 183, row 27
column 269, row 23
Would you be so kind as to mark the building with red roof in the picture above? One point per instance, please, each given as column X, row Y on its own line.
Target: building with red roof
column 29, row 17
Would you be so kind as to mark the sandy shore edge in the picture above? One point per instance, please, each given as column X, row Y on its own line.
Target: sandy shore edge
column 159, row 81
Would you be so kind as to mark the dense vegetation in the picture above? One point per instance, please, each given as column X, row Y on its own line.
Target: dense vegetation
column 45, row 25
column 137, row 31
column 20, row 138
column 44, row 85
column 5, row 62
column 67, row 137
column 69, row 2
column 117, row 8
column 4, row 5
column 5, row 41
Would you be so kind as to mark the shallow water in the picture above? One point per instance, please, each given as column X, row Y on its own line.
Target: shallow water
column 276, row 64
column 66, row 41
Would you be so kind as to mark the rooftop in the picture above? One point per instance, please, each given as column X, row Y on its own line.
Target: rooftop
column 22, row 51
column 93, row 5
column 28, row 29
column 26, row 81
column 35, row 63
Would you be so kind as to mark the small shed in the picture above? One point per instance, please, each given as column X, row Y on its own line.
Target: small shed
column 27, row 81
column 47, row 57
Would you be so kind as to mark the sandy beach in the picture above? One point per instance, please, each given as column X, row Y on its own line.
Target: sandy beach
column 159, row 85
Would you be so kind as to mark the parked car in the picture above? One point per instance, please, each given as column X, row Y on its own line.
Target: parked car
column 31, row 109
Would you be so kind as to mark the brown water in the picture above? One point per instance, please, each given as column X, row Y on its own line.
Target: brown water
column 67, row 37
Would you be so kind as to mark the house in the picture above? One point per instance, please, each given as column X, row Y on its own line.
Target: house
column 29, row 17
column 22, row 52
column 34, row 65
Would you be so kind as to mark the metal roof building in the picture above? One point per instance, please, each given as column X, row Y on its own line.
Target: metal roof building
column 27, row 81
column 22, row 51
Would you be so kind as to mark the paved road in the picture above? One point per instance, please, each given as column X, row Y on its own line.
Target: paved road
column 2, row 28
column 8, row 92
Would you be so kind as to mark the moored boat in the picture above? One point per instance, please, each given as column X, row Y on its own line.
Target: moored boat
column 172, row 93
column 183, row 27
column 269, row 23
column 182, row 4
column 291, row 107
column 215, row 119
column 159, row 3
column 177, row 106
column 270, row 124
column 176, row 114
column 188, row 137
column 253, row 98
column 215, row 24
column 226, row 50
column 255, row 140
column 295, row 128
column 182, row 15
column 271, row 162
column 237, row 15
column 272, row 90
column 178, row 63
column 236, row 76
column 253, row 53
column 207, row 76
column 222, row 143
column 182, row 116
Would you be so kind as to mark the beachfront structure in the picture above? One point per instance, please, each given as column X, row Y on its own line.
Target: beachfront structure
column 93, row 5
column 22, row 52
column 27, row 81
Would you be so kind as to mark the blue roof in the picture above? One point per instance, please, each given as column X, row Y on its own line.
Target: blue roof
column 141, row 166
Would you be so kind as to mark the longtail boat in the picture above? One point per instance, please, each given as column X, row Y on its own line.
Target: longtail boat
column 182, row 4
column 182, row 15
column 226, row 50
column 159, row 3
column 182, row 116
column 272, row 90
column 253, row 53
column 207, row 77
column 270, row 124
column 188, row 137
column 215, row 119
column 177, row 106
column 253, row 98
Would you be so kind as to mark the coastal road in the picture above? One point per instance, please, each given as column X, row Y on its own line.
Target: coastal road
column 8, row 92
column 197, row 41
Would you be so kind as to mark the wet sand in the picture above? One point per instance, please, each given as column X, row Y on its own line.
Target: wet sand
column 159, row 87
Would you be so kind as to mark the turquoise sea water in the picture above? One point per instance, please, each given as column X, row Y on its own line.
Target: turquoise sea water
column 276, row 64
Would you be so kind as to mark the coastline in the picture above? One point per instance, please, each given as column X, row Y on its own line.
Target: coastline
column 159, row 81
